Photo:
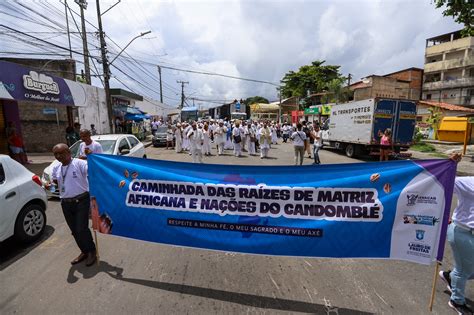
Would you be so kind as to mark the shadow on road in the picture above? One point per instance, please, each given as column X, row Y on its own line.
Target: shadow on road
column 239, row 298
column 11, row 250
column 90, row 272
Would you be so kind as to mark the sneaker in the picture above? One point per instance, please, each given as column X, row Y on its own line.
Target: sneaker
column 444, row 275
column 461, row 309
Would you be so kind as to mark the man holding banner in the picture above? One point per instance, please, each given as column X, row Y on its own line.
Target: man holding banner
column 71, row 178
column 461, row 239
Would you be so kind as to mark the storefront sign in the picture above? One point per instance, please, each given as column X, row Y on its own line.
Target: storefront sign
column 311, row 111
column 22, row 84
column 326, row 110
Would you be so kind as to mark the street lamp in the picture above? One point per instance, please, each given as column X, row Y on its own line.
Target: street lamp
column 140, row 35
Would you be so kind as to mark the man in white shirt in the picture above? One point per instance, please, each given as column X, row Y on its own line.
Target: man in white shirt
column 237, row 136
column 299, row 138
column 317, row 136
column 70, row 175
column 461, row 238
column 219, row 137
column 196, row 139
column 88, row 146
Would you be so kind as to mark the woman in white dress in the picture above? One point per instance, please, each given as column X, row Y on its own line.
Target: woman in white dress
column 265, row 139
column 252, row 138
column 206, row 147
column 237, row 136
column 274, row 134
column 178, row 138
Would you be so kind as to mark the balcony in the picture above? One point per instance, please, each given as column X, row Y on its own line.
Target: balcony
column 457, row 44
column 451, row 84
column 448, row 64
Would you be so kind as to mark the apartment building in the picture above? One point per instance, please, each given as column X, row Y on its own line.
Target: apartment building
column 449, row 69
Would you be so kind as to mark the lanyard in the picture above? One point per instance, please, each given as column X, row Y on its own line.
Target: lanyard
column 63, row 175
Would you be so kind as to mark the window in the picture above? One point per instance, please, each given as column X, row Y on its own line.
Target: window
column 133, row 141
column 2, row 174
column 123, row 145
column 428, row 96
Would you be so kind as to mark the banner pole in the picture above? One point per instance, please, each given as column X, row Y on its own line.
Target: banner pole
column 96, row 248
column 433, row 289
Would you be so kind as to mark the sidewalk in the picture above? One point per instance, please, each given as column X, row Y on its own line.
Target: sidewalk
column 465, row 167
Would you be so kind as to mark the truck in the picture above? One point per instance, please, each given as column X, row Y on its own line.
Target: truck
column 355, row 127
column 234, row 110
column 189, row 114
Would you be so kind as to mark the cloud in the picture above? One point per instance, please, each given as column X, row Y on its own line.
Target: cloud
column 264, row 39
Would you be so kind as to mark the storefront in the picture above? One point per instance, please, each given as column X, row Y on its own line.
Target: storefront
column 36, row 105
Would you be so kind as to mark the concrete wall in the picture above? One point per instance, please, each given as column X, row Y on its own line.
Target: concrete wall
column 95, row 112
column 384, row 87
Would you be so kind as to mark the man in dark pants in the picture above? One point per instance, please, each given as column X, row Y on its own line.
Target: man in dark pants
column 71, row 178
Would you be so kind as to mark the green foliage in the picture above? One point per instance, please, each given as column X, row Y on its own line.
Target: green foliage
column 423, row 147
column 315, row 78
column 256, row 99
column 462, row 12
column 80, row 79
column 418, row 136
column 434, row 119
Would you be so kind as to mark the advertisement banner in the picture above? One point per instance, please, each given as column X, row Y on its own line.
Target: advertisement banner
column 392, row 210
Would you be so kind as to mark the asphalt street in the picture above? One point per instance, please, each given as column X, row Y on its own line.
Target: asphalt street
column 136, row 277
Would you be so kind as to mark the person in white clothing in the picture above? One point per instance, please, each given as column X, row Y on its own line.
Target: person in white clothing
column 70, row 175
column 298, row 138
column 237, row 136
column 196, row 140
column 274, row 134
column 186, row 144
column 460, row 236
column 178, row 138
column 206, row 148
column 252, row 138
column 264, row 139
column 88, row 146
column 228, row 140
column 219, row 137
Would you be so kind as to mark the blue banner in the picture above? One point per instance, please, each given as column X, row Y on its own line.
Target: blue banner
column 393, row 210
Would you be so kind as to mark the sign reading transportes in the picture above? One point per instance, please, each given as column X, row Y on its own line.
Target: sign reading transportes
column 392, row 210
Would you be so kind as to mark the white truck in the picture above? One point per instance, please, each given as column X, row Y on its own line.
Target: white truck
column 354, row 127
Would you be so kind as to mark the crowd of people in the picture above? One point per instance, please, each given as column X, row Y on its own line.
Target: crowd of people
column 242, row 137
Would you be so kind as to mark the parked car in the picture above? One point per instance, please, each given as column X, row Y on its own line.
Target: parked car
column 160, row 136
column 115, row 144
column 23, row 202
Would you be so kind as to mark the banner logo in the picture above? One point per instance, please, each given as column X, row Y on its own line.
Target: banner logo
column 420, row 234
column 41, row 83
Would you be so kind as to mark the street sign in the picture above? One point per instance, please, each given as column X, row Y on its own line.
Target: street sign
column 49, row 111
column 311, row 111
column 237, row 106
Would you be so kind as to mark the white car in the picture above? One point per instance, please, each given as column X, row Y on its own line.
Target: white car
column 116, row 144
column 23, row 202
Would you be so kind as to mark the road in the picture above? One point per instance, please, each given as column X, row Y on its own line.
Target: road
column 137, row 277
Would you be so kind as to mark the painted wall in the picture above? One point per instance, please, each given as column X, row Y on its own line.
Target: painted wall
column 95, row 112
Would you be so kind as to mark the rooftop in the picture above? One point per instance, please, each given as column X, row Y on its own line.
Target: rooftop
column 447, row 106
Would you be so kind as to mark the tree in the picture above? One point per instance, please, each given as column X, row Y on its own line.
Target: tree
column 256, row 99
column 461, row 11
column 314, row 78
column 434, row 119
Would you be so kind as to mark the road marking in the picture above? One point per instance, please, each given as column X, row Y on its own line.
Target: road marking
column 306, row 262
column 380, row 297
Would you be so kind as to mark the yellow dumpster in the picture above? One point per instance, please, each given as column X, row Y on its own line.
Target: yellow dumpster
column 452, row 129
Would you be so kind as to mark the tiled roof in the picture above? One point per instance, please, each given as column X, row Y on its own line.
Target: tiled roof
column 447, row 106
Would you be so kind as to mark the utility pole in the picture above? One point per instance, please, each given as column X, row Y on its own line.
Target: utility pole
column 349, row 77
column 67, row 26
column 105, row 65
column 182, row 92
column 83, row 6
column 161, row 88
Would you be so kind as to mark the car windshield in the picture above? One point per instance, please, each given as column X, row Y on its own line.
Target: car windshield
column 162, row 129
column 107, row 146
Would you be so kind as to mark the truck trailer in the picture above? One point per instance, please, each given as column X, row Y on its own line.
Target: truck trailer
column 354, row 127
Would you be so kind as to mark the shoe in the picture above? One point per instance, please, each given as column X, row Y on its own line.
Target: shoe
column 462, row 309
column 91, row 258
column 79, row 258
column 444, row 275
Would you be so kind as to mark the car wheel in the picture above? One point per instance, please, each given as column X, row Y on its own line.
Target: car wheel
column 30, row 223
column 350, row 150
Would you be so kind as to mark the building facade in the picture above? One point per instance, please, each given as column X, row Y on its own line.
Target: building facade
column 403, row 84
column 449, row 69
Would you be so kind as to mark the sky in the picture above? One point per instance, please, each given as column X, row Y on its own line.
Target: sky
column 256, row 39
